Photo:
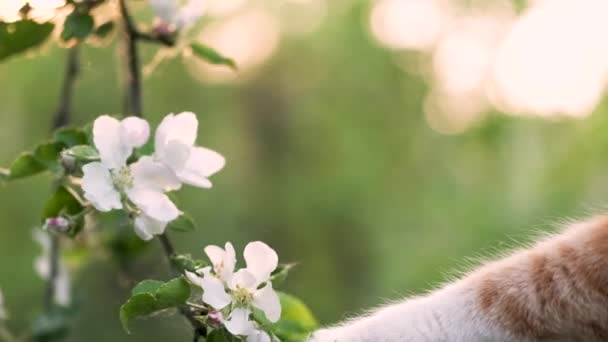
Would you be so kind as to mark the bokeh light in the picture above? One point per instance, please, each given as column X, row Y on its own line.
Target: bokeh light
column 408, row 24
column 250, row 38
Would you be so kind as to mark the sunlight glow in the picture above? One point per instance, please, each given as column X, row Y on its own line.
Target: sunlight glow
column 41, row 10
column 555, row 59
column 408, row 24
column 249, row 38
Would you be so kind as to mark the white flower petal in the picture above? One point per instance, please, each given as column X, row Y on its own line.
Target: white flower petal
column 174, row 154
column 244, row 280
column 150, row 174
column 146, row 227
column 164, row 9
column 98, row 187
column 261, row 260
column 214, row 293
column 194, row 278
column 190, row 13
column 154, row 203
column 267, row 300
column 223, row 260
column 258, row 336
column 134, row 131
column 238, row 323
column 108, row 141
column 201, row 164
column 181, row 127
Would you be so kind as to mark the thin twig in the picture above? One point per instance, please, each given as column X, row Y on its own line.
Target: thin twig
column 133, row 99
column 62, row 116
column 133, row 102
column 49, row 295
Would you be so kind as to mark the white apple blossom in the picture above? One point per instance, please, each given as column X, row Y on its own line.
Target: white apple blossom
column 180, row 14
column 42, row 265
column 242, row 291
column 108, row 184
column 3, row 314
column 174, row 147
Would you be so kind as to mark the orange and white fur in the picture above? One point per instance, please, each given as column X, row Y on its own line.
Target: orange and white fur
column 555, row 291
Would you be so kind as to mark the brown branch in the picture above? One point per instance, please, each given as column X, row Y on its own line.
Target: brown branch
column 62, row 115
column 60, row 119
column 133, row 101
column 134, row 107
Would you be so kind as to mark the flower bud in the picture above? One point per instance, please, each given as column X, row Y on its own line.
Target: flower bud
column 57, row 224
column 215, row 318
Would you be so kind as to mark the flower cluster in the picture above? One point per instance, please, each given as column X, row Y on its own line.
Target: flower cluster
column 236, row 295
column 141, row 187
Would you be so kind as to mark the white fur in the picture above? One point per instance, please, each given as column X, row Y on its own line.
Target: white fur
column 446, row 315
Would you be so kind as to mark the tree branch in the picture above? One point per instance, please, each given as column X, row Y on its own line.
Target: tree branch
column 134, row 107
column 62, row 116
column 133, row 102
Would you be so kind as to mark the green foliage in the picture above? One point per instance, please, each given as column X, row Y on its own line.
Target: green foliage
column 185, row 262
column 52, row 326
column 24, row 166
column 84, row 153
column 64, row 202
column 21, row 36
column 221, row 335
column 104, row 29
column 183, row 223
column 70, row 136
column 151, row 296
column 280, row 274
column 297, row 321
column 211, row 56
column 78, row 26
column 46, row 156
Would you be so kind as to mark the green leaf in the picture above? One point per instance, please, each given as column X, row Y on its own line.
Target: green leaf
column 48, row 154
column 52, row 325
column 150, row 296
column 185, row 262
column 24, row 166
column 22, row 35
column 140, row 305
column 221, row 335
column 63, row 201
column 70, row 136
column 104, row 29
column 279, row 275
column 146, row 286
column 82, row 152
column 212, row 56
column 184, row 223
column 297, row 321
column 77, row 25
column 173, row 293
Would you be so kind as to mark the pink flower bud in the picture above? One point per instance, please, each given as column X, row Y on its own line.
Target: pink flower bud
column 57, row 224
column 215, row 318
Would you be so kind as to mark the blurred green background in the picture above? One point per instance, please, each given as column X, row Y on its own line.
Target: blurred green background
column 329, row 160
